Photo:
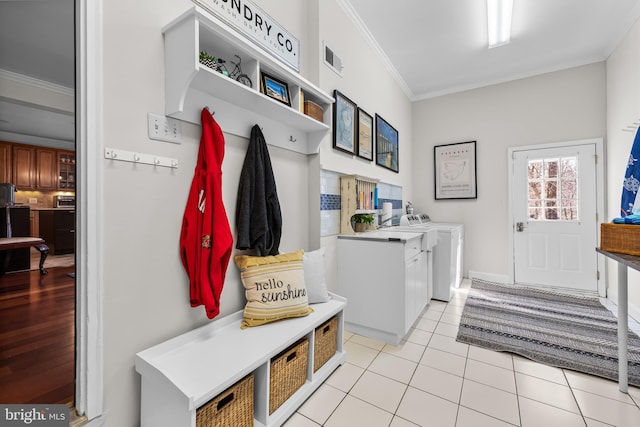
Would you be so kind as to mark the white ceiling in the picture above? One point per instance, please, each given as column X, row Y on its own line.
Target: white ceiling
column 37, row 41
column 440, row 46
column 433, row 47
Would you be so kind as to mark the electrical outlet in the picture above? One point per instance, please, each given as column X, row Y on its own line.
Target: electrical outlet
column 33, row 200
column 163, row 128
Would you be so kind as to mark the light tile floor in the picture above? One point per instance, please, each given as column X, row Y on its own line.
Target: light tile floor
column 432, row 380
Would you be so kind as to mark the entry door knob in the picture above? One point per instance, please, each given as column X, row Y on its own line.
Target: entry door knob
column 519, row 227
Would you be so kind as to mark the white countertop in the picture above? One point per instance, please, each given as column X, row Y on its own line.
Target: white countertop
column 382, row 235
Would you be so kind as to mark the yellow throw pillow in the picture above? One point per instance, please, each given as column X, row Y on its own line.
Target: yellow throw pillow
column 274, row 287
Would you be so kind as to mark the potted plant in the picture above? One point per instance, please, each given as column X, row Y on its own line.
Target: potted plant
column 362, row 221
column 209, row 61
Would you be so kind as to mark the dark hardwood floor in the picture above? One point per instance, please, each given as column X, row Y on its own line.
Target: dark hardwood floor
column 37, row 337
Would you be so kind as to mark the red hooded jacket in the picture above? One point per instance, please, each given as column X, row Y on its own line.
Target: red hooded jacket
column 206, row 241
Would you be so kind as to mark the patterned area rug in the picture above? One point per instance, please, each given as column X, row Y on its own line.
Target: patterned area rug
column 557, row 329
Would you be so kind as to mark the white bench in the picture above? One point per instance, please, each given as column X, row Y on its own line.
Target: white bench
column 184, row 373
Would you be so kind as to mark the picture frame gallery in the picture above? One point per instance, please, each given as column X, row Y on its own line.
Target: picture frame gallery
column 356, row 132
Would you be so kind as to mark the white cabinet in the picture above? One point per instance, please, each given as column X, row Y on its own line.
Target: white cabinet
column 183, row 373
column 190, row 85
column 417, row 292
column 383, row 276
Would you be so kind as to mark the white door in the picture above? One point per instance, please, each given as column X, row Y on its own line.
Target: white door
column 555, row 223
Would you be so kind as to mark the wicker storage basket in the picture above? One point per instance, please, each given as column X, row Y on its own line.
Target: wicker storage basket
column 312, row 109
column 620, row 238
column 288, row 373
column 325, row 342
column 231, row 408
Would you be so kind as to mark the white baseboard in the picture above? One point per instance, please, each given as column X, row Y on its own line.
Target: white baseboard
column 95, row 422
column 489, row 277
column 634, row 310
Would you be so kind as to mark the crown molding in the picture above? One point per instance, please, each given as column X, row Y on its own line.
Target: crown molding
column 40, row 84
column 362, row 28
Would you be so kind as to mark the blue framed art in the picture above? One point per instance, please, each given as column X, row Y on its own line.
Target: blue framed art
column 386, row 145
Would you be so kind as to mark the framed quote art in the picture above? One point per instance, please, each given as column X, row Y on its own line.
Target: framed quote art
column 455, row 171
column 344, row 123
column 365, row 135
column 386, row 145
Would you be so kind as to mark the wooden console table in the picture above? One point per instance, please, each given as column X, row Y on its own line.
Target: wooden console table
column 624, row 261
column 9, row 243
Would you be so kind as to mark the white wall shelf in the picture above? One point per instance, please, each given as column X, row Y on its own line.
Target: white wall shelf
column 190, row 86
column 184, row 373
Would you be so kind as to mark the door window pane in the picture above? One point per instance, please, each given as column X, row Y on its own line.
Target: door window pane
column 553, row 189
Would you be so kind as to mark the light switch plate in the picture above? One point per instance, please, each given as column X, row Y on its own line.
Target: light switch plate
column 163, row 128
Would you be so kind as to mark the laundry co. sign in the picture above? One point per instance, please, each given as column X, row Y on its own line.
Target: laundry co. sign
column 258, row 26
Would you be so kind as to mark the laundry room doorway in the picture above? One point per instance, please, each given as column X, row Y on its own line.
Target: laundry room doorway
column 556, row 203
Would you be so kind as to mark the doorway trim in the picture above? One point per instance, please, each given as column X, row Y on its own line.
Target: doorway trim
column 600, row 201
column 89, row 396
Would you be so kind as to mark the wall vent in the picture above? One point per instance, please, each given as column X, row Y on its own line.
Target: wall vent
column 332, row 60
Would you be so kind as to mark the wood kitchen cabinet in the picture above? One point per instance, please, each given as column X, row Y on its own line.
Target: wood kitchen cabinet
column 46, row 169
column 66, row 170
column 30, row 167
column 5, row 162
column 23, row 166
column 57, row 228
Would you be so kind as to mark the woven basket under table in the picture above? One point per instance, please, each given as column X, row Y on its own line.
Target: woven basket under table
column 288, row 372
column 231, row 408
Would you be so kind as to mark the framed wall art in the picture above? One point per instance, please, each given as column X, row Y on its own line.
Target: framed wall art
column 275, row 88
column 344, row 123
column 455, row 171
column 365, row 135
column 386, row 145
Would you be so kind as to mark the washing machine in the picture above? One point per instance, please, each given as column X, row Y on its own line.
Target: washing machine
column 447, row 253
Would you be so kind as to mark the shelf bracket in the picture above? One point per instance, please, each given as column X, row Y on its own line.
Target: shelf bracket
column 135, row 157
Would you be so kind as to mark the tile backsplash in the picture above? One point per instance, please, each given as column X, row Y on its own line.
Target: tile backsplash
column 38, row 199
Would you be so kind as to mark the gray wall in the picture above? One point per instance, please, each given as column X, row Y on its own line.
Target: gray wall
column 560, row 106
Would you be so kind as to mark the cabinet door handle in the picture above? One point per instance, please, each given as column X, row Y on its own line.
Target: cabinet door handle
column 72, row 231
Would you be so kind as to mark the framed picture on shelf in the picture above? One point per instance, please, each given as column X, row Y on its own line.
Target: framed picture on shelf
column 344, row 123
column 455, row 171
column 386, row 145
column 365, row 135
column 275, row 88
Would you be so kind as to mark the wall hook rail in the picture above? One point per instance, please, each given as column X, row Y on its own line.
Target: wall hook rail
column 135, row 157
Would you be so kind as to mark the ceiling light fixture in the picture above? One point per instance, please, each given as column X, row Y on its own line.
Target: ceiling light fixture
column 499, row 22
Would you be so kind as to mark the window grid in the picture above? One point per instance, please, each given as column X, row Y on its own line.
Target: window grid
column 553, row 189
